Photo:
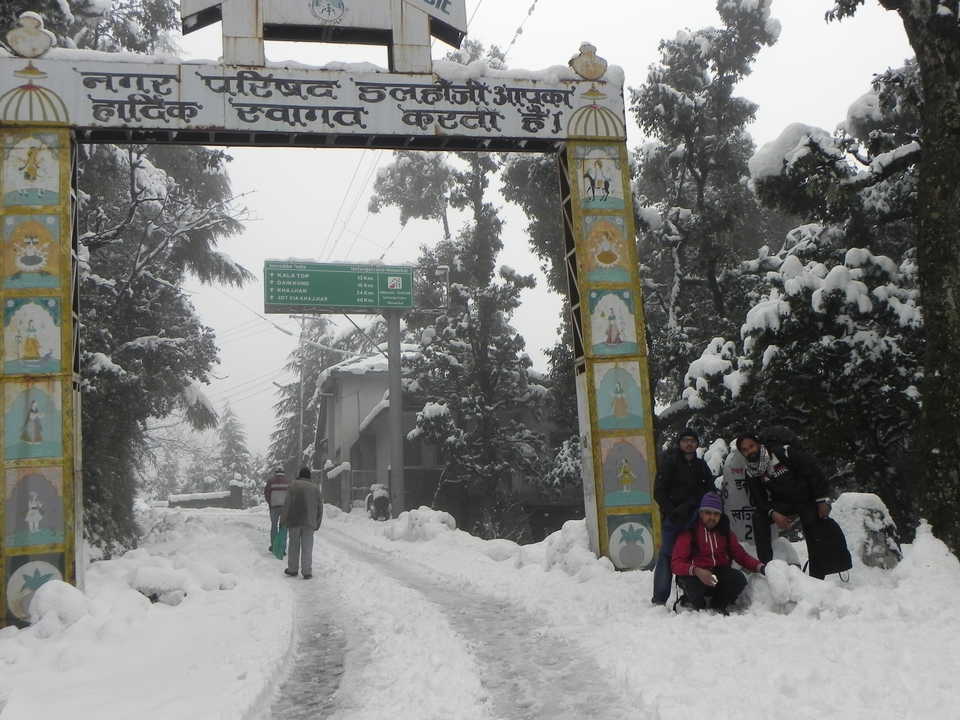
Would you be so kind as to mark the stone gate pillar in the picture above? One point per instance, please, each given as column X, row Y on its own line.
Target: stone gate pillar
column 606, row 298
column 40, row 502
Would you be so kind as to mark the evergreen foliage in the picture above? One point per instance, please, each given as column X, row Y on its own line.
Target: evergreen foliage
column 235, row 463
column 148, row 218
column 696, row 211
column 832, row 345
column 934, row 34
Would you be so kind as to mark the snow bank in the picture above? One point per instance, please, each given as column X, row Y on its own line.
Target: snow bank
column 207, row 648
column 187, row 497
column 880, row 646
column 419, row 525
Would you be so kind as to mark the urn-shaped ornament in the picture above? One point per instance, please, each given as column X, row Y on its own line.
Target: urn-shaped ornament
column 588, row 64
column 30, row 39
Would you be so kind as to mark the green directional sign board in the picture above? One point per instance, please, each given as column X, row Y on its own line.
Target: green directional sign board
column 290, row 286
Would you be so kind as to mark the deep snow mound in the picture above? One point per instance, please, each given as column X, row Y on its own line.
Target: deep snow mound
column 419, row 525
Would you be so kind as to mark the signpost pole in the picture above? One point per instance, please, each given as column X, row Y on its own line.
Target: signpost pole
column 396, row 411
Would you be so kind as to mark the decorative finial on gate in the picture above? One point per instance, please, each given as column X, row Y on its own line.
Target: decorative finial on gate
column 30, row 39
column 588, row 64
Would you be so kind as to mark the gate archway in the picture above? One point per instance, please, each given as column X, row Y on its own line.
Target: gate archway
column 51, row 101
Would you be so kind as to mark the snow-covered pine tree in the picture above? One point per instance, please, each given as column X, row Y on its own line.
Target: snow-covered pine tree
column 934, row 34
column 148, row 218
column 696, row 213
column 473, row 364
column 833, row 343
column 532, row 181
column 479, row 401
column 235, row 463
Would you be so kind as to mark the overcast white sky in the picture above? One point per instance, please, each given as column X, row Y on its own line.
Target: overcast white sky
column 304, row 201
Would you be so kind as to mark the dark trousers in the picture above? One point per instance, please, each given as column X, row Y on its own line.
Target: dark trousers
column 808, row 520
column 723, row 594
column 662, row 575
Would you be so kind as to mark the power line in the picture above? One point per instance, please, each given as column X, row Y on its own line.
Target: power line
column 474, row 13
column 519, row 30
column 343, row 201
column 395, row 238
column 256, row 379
column 242, row 326
column 252, row 395
column 360, row 193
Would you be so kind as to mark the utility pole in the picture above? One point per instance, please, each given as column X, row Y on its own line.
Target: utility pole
column 302, row 319
column 397, row 495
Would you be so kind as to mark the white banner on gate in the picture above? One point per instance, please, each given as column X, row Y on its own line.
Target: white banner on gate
column 183, row 96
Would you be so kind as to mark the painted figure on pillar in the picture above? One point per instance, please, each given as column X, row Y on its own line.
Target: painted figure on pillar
column 607, row 259
column 613, row 324
column 619, row 400
column 31, row 251
column 34, row 507
column 32, row 336
column 626, row 480
column 33, row 420
column 31, row 170
column 601, row 182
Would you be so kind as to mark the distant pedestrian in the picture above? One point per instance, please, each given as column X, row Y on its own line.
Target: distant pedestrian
column 302, row 514
column 276, row 495
column 682, row 479
column 702, row 559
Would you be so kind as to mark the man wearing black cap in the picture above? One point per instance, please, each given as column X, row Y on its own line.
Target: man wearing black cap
column 682, row 479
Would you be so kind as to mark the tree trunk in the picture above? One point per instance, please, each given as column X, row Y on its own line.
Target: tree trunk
column 937, row 438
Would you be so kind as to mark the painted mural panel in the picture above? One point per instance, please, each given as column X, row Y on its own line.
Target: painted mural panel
column 30, row 172
column 33, row 420
column 626, row 478
column 618, row 395
column 34, row 507
column 631, row 543
column 31, row 336
column 25, row 574
column 31, row 251
column 601, row 177
column 606, row 256
column 613, row 322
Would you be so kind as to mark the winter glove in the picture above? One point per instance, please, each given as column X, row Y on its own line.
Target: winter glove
column 762, row 569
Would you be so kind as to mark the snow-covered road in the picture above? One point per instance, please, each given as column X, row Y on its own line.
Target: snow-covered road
column 525, row 670
column 413, row 619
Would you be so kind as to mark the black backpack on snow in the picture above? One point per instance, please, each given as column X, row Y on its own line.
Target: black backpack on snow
column 831, row 548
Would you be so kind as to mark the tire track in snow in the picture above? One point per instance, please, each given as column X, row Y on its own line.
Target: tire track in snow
column 529, row 673
column 318, row 661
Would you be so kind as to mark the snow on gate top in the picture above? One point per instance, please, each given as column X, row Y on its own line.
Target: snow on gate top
column 98, row 91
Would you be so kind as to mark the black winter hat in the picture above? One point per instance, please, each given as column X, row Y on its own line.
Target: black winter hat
column 687, row 432
column 304, row 473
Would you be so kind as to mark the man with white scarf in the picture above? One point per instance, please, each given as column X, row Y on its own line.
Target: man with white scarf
column 785, row 483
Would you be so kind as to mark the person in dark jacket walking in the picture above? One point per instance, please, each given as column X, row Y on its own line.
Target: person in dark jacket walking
column 302, row 515
column 682, row 479
column 703, row 555
column 275, row 492
column 785, row 483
